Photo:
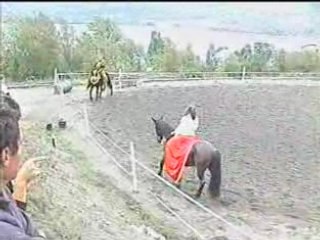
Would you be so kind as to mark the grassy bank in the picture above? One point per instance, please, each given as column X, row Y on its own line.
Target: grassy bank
column 71, row 200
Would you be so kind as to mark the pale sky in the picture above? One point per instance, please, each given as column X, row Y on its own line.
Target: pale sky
column 257, row 7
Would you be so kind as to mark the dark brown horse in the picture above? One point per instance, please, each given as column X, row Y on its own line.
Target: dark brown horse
column 203, row 156
column 99, row 82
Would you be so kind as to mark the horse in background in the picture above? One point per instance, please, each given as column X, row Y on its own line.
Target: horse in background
column 202, row 155
column 99, row 79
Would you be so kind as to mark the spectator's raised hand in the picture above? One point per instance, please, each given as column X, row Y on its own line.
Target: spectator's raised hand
column 28, row 171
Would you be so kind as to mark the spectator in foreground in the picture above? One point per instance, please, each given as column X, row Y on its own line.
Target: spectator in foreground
column 14, row 222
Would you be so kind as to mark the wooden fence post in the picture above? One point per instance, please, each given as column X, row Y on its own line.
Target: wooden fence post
column 55, row 76
column 119, row 79
column 243, row 72
column 133, row 165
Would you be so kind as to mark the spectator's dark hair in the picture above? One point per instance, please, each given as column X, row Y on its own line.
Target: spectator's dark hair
column 9, row 130
column 9, row 102
column 9, row 137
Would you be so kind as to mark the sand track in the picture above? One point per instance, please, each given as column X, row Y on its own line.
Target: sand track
column 269, row 136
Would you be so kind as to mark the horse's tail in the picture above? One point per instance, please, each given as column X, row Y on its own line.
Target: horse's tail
column 215, row 169
column 109, row 83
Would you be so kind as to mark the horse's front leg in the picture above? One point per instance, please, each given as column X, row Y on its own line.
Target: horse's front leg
column 90, row 93
column 110, row 87
column 100, row 94
column 97, row 92
column 161, row 167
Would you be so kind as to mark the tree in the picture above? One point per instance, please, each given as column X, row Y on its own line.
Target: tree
column 232, row 65
column 212, row 59
column 245, row 57
column 104, row 39
column 166, row 60
column 281, row 60
column 35, row 48
column 262, row 55
column 156, row 47
column 68, row 44
column 189, row 61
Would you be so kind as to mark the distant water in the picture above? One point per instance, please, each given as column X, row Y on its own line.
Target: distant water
column 201, row 36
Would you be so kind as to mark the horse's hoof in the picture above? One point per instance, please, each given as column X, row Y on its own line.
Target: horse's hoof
column 197, row 196
column 214, row 196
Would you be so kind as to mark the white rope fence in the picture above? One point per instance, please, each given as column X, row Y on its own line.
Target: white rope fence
column 153, row 174
column 196, row 232
column 122, row 79
column 135, row 79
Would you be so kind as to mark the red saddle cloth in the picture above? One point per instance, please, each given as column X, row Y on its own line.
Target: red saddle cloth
column 177, row 150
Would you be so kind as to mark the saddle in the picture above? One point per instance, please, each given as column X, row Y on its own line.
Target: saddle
column 177, row 151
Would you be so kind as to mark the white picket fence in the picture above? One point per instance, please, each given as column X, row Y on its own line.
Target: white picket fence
column 134, row 79
column 123, row 80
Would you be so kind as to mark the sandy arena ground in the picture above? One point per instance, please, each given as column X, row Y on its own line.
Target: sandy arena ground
column 269, row 136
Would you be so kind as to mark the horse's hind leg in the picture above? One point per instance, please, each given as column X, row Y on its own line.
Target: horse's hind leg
column 200, row 170
column 110, row 87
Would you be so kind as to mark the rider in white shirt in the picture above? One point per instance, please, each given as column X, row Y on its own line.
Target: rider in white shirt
column 189, row 123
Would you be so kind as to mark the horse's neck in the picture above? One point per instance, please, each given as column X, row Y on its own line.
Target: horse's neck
column 166, row 130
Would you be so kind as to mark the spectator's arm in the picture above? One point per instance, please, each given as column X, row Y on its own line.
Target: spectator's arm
column 20, row 194
column 20, row 203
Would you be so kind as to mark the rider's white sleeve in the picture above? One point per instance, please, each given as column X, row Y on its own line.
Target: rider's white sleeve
column 196, row 124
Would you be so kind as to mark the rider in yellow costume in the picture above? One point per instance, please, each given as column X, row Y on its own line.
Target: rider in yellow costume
column 98, row 71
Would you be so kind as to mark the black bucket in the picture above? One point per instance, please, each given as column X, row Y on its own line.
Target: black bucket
column 49, row 127
column 62, row 123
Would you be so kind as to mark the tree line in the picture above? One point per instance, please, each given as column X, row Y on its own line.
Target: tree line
column 35, row 46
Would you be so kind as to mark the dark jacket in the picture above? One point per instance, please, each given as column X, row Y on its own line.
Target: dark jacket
column 14, row 223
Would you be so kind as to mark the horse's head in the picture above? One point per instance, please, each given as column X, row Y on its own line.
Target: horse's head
column 163, row 129
column 191, row 109
column 159, row 132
